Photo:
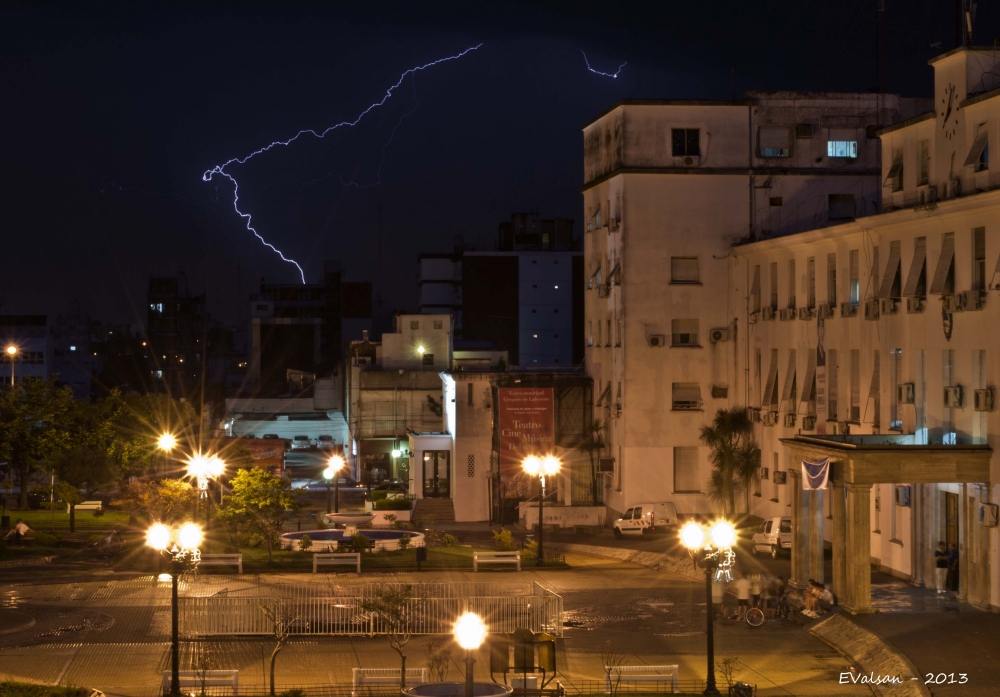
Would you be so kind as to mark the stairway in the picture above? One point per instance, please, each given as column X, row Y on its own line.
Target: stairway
column 443, row 510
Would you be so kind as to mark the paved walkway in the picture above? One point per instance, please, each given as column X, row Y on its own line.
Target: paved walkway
column 114, row 634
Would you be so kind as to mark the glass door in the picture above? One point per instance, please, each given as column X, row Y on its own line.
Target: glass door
column 436, row 469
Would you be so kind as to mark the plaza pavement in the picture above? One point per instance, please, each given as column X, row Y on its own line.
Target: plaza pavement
column 112, row 633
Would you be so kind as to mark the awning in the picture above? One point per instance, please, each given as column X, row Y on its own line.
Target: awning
column 917, row 266
column 786, row 392
column 891, row 269
column 809, row 384
column 604, row 395
column 769, row 397
column 897, row 165
column 944, row 263
column 612, row 273
column 977, row 148
column 686, row 392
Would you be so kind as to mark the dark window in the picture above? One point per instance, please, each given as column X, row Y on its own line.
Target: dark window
column 685, row 141
column 775, row 200
column 841, row 206
column 428, row 359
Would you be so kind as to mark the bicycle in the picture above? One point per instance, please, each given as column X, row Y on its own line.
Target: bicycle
column 755, row 615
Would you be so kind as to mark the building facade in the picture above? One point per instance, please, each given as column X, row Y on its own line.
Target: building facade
column 30, row 336
column 176, row 324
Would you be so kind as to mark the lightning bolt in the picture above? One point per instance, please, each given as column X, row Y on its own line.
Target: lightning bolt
column 598, row 72
column 221, row 169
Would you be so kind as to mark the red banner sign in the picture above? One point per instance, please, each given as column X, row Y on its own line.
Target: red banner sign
column 527, row 426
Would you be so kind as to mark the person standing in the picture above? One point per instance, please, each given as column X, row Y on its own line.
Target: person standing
column 754, row 589
column 742, row 595
column 953, row 567
column 941, row 567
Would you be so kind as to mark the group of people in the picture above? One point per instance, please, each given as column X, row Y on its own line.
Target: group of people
column 749, row 590
column 817, row 595
column 946, row 567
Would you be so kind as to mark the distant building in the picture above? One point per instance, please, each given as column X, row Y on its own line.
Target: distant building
column 175, row 331
column 521, row 298
column 304, row 327
column 75, row 360
column 30, row 335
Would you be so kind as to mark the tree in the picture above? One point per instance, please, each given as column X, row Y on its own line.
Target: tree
column 82, row 466
column 34, row 415
column 391, row 608
column 167, row 501
column 593, row 444
column 731, row 430
column 260, row 503
column 747, row 462
column 280, row 621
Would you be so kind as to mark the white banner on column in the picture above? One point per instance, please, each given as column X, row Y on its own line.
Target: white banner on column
column 815, row 475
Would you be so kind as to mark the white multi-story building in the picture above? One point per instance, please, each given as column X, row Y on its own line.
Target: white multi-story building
column 30, row 337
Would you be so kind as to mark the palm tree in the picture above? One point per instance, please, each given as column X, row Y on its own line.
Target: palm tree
column 731, row 429
column 747, row 458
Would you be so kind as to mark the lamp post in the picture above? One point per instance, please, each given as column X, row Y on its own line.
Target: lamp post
column 332, row 471
column 470, row 632
column 204, row 468
column 11, row 353
column 541, row 467
column 180, row 549
column 712, row 551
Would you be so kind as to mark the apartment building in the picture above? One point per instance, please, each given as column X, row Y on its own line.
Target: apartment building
column 29, row 338
column 175, row 330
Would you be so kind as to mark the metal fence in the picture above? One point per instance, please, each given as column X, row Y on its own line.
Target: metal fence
column 338, row 610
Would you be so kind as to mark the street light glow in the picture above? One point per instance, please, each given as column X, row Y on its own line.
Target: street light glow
column 11, row 350
column 158, row 536
column 197, row 466
column 532, row 465
column 692, row 535
column 397, row 452
column 550, row 465
column 189, row 536
column 470, row 632
column 420, row 350
column 216, row 466
column 166, row 442
column 723, row 534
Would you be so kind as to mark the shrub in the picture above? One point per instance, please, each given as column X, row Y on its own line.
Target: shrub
column 98, row 512
column 392, row 505
column 433, row 538
column 295, row 692
column 378, row 495
column 305, row 542
column 46, row 539
column 503, row 539
column 404, row 541
column 360, row 543
column 448, row 540
column 390, row 518
column 529, row 550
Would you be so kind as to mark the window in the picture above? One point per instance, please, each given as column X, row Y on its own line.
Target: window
column 686, row 396
column 774, row 285
column 855, row 386
column 607, row 336
column 895, row 176
column 621, row 331
column 854, row 280
column 791, row 283
column 873, row 408
column 897, row 511
column 788, row 392
column 877, row 518
column 438, row 324
column 979, row 424
column 916, row 278
column 891, row 282
column 687, row 478
column 811, row 282
column 685, row 141
column 428, row 359
column 755, row 290
column 774, row 478
column 414, row 324
column 840, row 206
column 684, row 270
column 832, row 391
column 831, row 279
column 261, row 306
column 769, row 400
column 470, row 394
column 924, row 162
column 979, row 258
column 943, row 282
column 776, row 201
column 948, row 437
column 684, row 332
column 756, row 487
column 842, row 148
column 774, row 141
column 895, row 379
column 979, row 155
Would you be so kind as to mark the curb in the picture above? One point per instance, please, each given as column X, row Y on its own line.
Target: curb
column 32, row 561
column 874, row 655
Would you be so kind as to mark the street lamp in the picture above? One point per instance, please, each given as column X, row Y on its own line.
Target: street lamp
column 204, row 468
column 540, row 467
column 712, row 550
column 165, row 444
column 470, row 632
column 180, row 548
column 11, row 352
column 333, row 467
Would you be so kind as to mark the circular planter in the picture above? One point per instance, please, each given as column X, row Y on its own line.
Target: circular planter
column 457, row 689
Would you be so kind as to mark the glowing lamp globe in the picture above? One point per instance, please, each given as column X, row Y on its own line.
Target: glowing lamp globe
column 158, row 536
column 166, row 442
column 532, row 465
column 723, row 535
column 550, row 465
column 197, row 466
column 329, row 473
column 396, row 453
column 216, row 466
column 11, row 350
column 692, row 536
column 335, row 464
column 189, row 536
column 470, row 632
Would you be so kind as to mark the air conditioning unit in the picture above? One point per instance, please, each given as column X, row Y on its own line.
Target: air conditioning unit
column 915, row 305
column 687, row 161
column 807, row 313
column 606, row 464
column 952, row 189
column 787, row 314
column 789, row 420
column 871, row 309
column 888, row 306
column 754, row 415
column 603, row 290
column 717, row 335
column 769, row 418
column 953, row 397
column 780, row 477
column 951, row 303
column 989, row 514
column 657, row 340
column 767, row 314
column 903, row 496
column 927, row 195
column 972, row 300
column 848, row 309
column 983, row 399
column 827, row 311
column 808, row 423
column 905, row 393
column 720, row 391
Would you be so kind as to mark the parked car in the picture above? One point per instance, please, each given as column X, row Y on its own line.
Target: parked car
column 271, row 435
column 326, row 442
column 300, row 442
column 249, row 435
column 646, row 519
column 774, row 535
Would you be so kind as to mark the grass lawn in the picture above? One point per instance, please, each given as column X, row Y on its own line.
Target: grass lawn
column 46, row 521
column 9, row 688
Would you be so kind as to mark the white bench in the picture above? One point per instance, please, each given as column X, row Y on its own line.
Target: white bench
column 384, row 676
column 86, row 506
column 338, row 559
column 222, row 560
column 495, row 558
column 624, row 674
column 213, row 678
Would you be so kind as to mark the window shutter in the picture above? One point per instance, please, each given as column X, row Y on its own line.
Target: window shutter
column 771, row 389
column 686, row 475
column 944, row 264
column 684, row 270
column 809, row 384
column 891, row 270
column 786, row 392
column 916, row 267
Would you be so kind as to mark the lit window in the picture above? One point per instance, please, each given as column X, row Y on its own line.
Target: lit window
column 557, row 287
column 72, row 348
column 842, row 148
column 534, row 336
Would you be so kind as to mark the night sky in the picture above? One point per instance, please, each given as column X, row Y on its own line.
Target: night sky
column 111, row 113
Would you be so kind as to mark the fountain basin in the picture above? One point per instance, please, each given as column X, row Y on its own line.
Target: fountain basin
column 353, row 519
column 457, row 689
column 386, row 540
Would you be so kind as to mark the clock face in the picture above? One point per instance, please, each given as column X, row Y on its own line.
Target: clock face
column 949, row 105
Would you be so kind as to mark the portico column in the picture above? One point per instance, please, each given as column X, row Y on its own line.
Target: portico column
column 857, row 598
column 838, row 508
column 816, row 535
column 800, row 523
column 965, row 545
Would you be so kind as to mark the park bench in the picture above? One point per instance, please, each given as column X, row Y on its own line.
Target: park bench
column 633, row 674
column 222, row 560
column 337, row 559
column 213, row 678
column 384, row 676
column 86, row 506
column 495, row 558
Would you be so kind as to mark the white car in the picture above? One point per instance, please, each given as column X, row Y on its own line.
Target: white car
column 300, row 442
column 774, row 535
column 645, row 519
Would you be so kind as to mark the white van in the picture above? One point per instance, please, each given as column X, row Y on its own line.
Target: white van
column 646, row 518
column 773, row 536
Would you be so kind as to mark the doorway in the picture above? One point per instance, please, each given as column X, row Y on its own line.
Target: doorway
column 436, row 469
column 951, row 518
